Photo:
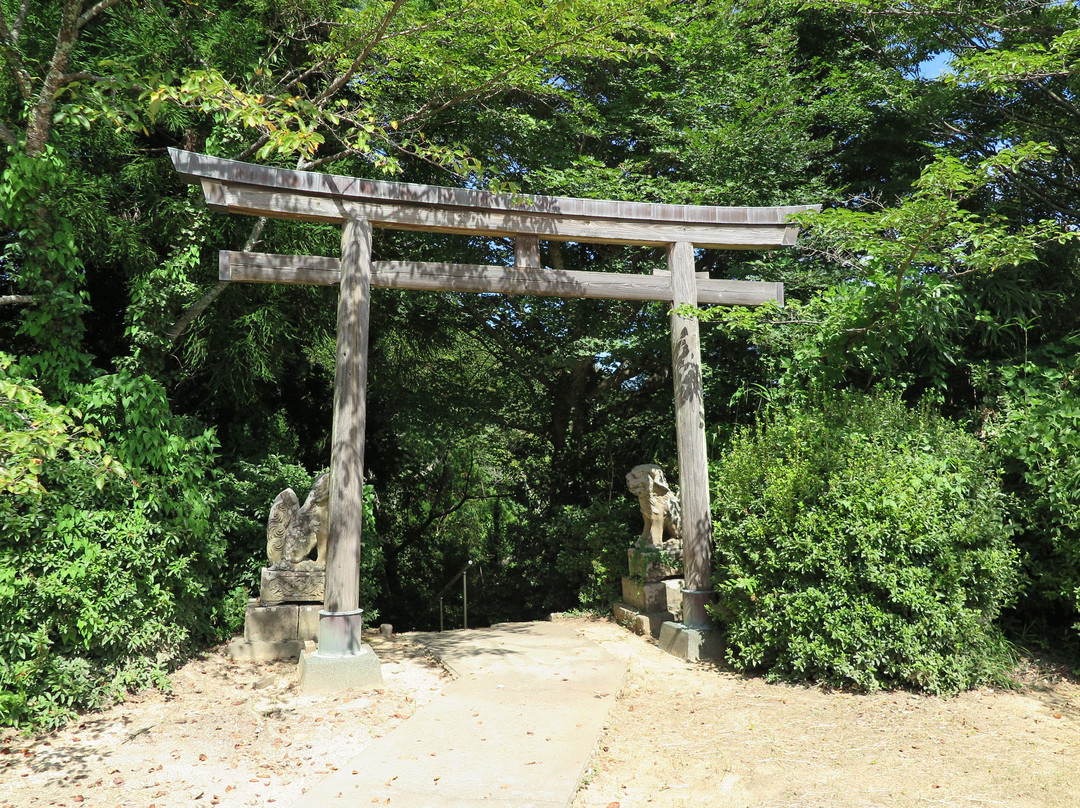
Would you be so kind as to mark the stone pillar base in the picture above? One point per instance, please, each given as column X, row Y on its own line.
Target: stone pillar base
column 695, row 603
column 691, row 644
column 332, row 674
column 339, row 633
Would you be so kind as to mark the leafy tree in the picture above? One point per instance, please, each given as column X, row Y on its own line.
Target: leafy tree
column 900, row 319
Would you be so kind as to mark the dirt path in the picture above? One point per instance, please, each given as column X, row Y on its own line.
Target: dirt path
column 688, row 734
column 229, row 735
column 679, row 735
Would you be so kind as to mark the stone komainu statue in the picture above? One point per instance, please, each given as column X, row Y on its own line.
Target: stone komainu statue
column 659, row 504
column 293, row 532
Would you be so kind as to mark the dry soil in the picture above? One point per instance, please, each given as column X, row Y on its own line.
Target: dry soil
column 680, row 734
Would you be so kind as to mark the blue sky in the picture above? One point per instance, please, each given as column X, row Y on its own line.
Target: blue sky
column 932, row 68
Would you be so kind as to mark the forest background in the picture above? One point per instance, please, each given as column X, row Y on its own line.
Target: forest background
column 895, row 452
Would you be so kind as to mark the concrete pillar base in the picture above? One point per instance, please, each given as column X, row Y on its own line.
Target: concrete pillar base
column 691, row 644
column 332, row 674
column 339, row 633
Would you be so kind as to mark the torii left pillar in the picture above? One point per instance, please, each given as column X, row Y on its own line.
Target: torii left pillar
column 342, row 660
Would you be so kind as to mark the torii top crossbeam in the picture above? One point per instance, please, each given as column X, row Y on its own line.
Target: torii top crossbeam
column 247, row 188
column 360, row 204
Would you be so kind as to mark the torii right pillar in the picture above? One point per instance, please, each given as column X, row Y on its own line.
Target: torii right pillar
column 696, row 636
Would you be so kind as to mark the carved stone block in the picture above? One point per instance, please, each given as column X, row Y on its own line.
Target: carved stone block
column 656, row 563
column 661, row 596
column 295, row 586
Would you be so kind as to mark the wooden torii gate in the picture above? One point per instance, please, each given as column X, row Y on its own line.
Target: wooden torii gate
column 360, row 204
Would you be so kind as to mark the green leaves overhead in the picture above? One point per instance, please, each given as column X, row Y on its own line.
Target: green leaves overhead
column 942, row 227
column 377, row 75
column 903, row 307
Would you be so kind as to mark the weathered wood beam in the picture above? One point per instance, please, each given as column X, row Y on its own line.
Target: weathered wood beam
column 350, row 415
column 493, row 223
column 195, row 167
column 526, row 251
column 667, row 274
column 322, row 271
column 690, row 438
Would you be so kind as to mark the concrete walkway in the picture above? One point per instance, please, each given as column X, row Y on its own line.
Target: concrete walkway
column 517, row 727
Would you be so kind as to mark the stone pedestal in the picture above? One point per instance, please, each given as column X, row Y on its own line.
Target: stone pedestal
column 661, row 596
column 645, row 607
column 652, row 592
column 284, row 617
column 275, row 632
column 343, row 661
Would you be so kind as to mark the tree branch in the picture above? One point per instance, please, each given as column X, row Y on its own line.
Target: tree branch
column 94, row 10
column 20, row 19
column 188, row 317
column 41, row 115
column 254, row 147
column 9, row 300
column 341, row 80
column 14, row 59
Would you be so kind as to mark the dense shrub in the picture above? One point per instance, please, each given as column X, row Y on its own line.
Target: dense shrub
column 861, row 544
column 1035, row 426
column 105, row 578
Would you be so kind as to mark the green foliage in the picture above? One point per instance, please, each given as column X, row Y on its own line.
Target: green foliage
column 861, row 544
column 33, row 431
column 1034, row 427
column 898, row 319
column 105, row 579
column 592, row 544
column 39, row 249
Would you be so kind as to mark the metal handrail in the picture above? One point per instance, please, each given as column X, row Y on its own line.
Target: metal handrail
column 463, row 573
